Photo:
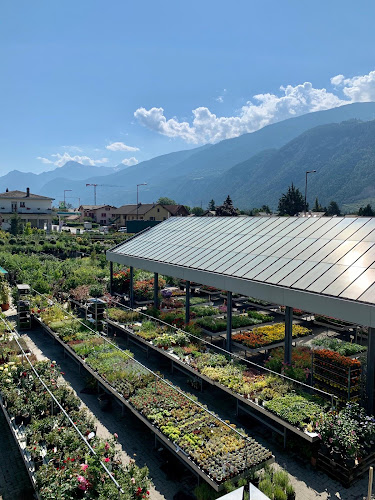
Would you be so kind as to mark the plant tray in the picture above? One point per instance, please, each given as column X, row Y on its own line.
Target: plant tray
column 341, row 473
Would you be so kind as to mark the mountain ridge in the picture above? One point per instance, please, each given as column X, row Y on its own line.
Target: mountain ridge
column 189, row 176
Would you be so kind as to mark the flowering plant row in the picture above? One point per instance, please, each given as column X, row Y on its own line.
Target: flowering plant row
column 64, row 467
column 344, row 348
column 236, row 376
column 136, row 383
column 326, row 357
column 219, row 452
column 349, row 433
column 269, row 334
column 301, row 363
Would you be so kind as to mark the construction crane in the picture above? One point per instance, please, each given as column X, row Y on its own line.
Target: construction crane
column 106, row 185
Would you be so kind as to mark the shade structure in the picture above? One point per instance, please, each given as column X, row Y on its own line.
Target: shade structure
column 324, row 265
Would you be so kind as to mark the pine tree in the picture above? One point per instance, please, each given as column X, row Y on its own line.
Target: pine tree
column 226, row 209
column 317, row 206
column 333, row 209
column 366, row 211
column 291, row 202
column 211, row 205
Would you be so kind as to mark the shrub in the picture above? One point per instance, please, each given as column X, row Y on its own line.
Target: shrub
column 266, row 487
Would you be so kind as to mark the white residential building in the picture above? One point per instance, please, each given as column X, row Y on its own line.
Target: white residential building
column 30, row 207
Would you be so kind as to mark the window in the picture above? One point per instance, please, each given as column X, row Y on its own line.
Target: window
column 152, row 218
column 107, row 209
column 164, row 218
column 22, row 204
column 141, row 217
column 158, row 209
column 104, row 215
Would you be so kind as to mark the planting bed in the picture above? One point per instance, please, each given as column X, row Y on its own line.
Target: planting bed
column 267, row 335
column 207, row 445
column 57, row 458
column 247, row 384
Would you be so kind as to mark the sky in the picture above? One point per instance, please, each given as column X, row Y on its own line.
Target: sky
column 111, row 82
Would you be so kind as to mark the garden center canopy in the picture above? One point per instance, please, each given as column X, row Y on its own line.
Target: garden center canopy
column 323, row 265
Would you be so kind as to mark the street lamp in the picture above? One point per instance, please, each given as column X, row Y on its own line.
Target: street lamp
column 307, row 172
column 143, row 184
column 65, row 191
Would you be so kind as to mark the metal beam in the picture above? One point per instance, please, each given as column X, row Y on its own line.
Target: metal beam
column 288, row 335
column 229, row 322
column 156, row 290
column 187, row 303
column 349, row 310
column 111, row 278
column 131, row 286
column 370, row 374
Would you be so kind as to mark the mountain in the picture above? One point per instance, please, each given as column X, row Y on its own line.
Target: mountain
column 71, row 170
column 342, row 154
column 190, row 177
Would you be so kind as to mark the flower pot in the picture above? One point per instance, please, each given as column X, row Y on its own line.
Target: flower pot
column 349, row 462
column 38, row 462
column 18, row 419
column 26, row 417
column 336, row 455
column 4, row 307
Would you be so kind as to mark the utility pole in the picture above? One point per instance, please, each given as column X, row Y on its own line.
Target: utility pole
column 307, row 172
column 143, row 184
column 94, row 191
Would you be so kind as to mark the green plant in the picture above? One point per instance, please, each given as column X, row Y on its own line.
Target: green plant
column 205, row 492
column 279, row 493
column 266, row 487
column 289, row 489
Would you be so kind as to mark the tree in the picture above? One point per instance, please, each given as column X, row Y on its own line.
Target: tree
column 163, row 200
column 317, row 206
column 211, row 205
column 28, row 231
column 333, row 209
column 226, row 209
column 292, row 202
column 366, row 211
column 197, row 211
column 16, row 226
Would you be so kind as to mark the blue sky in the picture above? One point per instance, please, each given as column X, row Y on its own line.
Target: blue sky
column 78, row 76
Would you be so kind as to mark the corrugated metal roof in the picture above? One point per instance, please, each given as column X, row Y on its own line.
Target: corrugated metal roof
column 333, row 256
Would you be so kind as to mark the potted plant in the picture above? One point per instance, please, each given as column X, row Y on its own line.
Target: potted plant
column 4, row 295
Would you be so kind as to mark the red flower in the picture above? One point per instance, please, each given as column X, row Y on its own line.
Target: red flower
column 139, row 491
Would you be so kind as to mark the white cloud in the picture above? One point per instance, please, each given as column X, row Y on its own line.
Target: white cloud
column 120, row 146
column 130, row 161
column 44, row 160
column 264, row 109
column 358, row 88
column 220, row 99
column 337, row 80
column 61, row 159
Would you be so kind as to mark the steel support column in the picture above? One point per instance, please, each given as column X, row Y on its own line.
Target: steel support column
column 156, row 290
column 229, row 322
column 288, row 335
column 187, row 302
column 110, row 277
column 370, row 374
column 131, row 287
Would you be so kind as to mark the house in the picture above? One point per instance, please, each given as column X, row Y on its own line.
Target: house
column 30, row 207
column 147, row 211
column 101, row 214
